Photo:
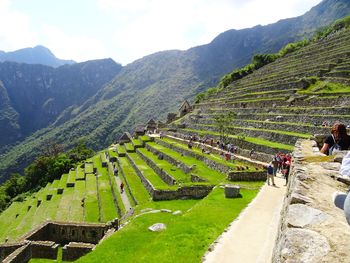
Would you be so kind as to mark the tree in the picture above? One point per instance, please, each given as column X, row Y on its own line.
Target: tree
column 52, row 149
column 80, row 152
column 222, row 122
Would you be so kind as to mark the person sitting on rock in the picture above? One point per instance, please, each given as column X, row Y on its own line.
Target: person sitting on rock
column 338, row 140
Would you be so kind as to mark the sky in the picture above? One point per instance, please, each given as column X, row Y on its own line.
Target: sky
column 126, row 30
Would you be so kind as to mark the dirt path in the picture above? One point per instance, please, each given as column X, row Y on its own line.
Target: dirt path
column 123, row 195
column 250, row 238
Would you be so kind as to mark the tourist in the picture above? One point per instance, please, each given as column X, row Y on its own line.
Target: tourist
column 338, row 140
column 122, row 187
column 270, row 175
column 286, row 168
column 275, row 164
column 190, row 144
column 115, row 171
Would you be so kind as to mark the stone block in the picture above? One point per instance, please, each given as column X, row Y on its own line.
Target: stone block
column 232, row 191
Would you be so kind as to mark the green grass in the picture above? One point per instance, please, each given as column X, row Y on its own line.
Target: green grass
column 295, row 134
column 112, row 153
column 145, row 138
column 172, row 170
column 138, row 190
column 212, row 156
column 116, row 189
column 322, row 87
column 91, row 203
column 89, row 168
column 149, row 173
column 257, row 141
column 186, row 238
column 108, row 209
column 137, row 143
column 200, row 169
column 129, row 147
column 80, row 173
column 76, row 212
column 121, row 150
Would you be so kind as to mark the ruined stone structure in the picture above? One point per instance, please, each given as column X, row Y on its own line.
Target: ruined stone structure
column 125, row 138
column 232, row 191
column 312, row 228
column 151, row 125
column 185, row 108
column 43, row 241
column 171, row 117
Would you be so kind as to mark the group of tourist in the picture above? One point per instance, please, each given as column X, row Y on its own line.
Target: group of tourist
column 281, row 162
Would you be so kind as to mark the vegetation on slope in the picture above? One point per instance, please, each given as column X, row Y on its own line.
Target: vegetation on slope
column 259, row 60
column 44, row 169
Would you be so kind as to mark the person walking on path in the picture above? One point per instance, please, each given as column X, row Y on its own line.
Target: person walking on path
column 275, row 164
column 122, row 187
column 270, row 175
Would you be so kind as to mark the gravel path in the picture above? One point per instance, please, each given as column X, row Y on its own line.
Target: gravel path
column 123, row 195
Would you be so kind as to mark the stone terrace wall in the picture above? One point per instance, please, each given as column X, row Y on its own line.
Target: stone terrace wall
column 312, row 228
column 247, row 176
column 196, row 192
column 74, row 250
column 20, row 255
column 64, row 232
column 44, row 249
column 167, row 178
column 186, row 169
column 6, row 249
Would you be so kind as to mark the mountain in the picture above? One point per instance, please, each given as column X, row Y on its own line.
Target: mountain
column 156, row 84
column 35, row 55
column 33, row 96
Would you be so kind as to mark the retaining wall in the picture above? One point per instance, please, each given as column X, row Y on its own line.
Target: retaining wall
column 312, row 228
column 167, row 178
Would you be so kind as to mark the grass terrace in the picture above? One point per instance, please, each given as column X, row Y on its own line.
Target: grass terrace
column 172, row 170
column 107, row 206
column 149, row 173
column 200, row 169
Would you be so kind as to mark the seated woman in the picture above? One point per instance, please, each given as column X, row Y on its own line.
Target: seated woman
column 337, row 138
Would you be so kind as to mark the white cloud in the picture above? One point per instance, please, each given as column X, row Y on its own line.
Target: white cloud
column 128, row 30
column 145, row 26
column 15, row 30
column 64, row 46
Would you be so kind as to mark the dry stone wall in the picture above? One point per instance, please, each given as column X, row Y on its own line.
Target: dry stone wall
column 65, row 232
column 167, row 178
column 312, row 228
column 75, row 250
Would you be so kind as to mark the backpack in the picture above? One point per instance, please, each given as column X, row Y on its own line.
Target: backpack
column 336, row 147
column 269, row 169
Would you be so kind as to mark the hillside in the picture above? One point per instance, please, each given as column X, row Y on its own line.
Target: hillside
column 36, row 55
column 276, row 105
column 157, row 84
column 33, row 96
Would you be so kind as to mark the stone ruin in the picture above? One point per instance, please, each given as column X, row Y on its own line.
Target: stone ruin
column 77, row 239
column 312, row 228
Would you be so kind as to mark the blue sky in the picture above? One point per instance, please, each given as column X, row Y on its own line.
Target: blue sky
column 126, row 30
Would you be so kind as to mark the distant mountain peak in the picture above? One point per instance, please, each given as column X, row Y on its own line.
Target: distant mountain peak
column 34, row 55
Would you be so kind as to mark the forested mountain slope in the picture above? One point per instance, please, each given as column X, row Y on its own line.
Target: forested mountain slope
column 33, row 96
